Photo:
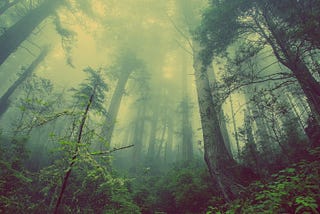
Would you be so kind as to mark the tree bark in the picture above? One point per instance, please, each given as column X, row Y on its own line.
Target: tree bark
column 216, row 154
column 16, row 34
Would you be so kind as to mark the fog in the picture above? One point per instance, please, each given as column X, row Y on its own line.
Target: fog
column 118, row 98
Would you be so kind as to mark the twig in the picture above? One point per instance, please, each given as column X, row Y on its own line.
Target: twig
column 110, row 151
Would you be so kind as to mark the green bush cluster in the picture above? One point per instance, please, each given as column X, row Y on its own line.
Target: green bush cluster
column 295, row 189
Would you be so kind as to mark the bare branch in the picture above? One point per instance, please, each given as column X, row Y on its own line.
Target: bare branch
column 111, row 151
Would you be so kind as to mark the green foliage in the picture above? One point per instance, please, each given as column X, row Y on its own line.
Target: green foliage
column 292, row 190
column 125, row 64
column 95, row 87
column 93, row 189
column 14, row 190
column 213, row 33
column 184, row 189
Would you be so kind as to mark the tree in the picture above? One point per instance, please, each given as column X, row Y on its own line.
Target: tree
column 221, row 165
column 260, row 19
column 91, row 97
column 127, row 64
column 187, row 146
column 138, row 133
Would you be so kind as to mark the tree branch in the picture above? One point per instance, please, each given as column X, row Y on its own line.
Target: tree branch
column 111, row 151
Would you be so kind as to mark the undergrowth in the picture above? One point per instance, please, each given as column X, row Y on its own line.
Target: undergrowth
column 295, row 189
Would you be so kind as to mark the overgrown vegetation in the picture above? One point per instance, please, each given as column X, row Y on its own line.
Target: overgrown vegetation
column 294, row 189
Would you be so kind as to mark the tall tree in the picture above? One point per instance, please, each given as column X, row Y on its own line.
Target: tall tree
column 138, row 134
column 127, row 63
column 153, row 132
column 91, row 94
column 187, row 146
column 260, row 18
column 221, row 165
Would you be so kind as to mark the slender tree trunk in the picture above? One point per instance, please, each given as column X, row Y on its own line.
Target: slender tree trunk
column 224, row 131
column 138, row 135
column 295, row 111
column 221, row 116
column 261, row 132
column 4, row 100
column 168, row 152
column 76, row 152
column 235, row 127
column 16, row 34
column 186, row 147
column 153, row 133
column 251, row 144
column 114, row 107
column 162, row 139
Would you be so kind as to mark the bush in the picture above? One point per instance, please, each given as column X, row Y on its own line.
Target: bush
column 295, row 189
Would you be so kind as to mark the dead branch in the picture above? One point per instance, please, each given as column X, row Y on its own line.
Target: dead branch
column 111, row 151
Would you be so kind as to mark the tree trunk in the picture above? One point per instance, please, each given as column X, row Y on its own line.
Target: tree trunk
column 4, row 100
column 295, row 110
column 76, row 152
column 186, row 146
column 162, row 139
column 216, row 154
column 114, row 107
column 169, row 152
column 221, row 116
column 309, row 85
column 153, row 133
column 16, row 34
column 250, row 142
column 138, row 136
column 235, row 127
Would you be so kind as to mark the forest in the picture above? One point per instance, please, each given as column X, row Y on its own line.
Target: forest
column 160, row 106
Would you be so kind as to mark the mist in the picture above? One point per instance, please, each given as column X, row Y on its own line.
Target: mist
column 172, row 106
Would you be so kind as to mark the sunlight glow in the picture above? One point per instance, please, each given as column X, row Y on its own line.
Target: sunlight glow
column 168, row 72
